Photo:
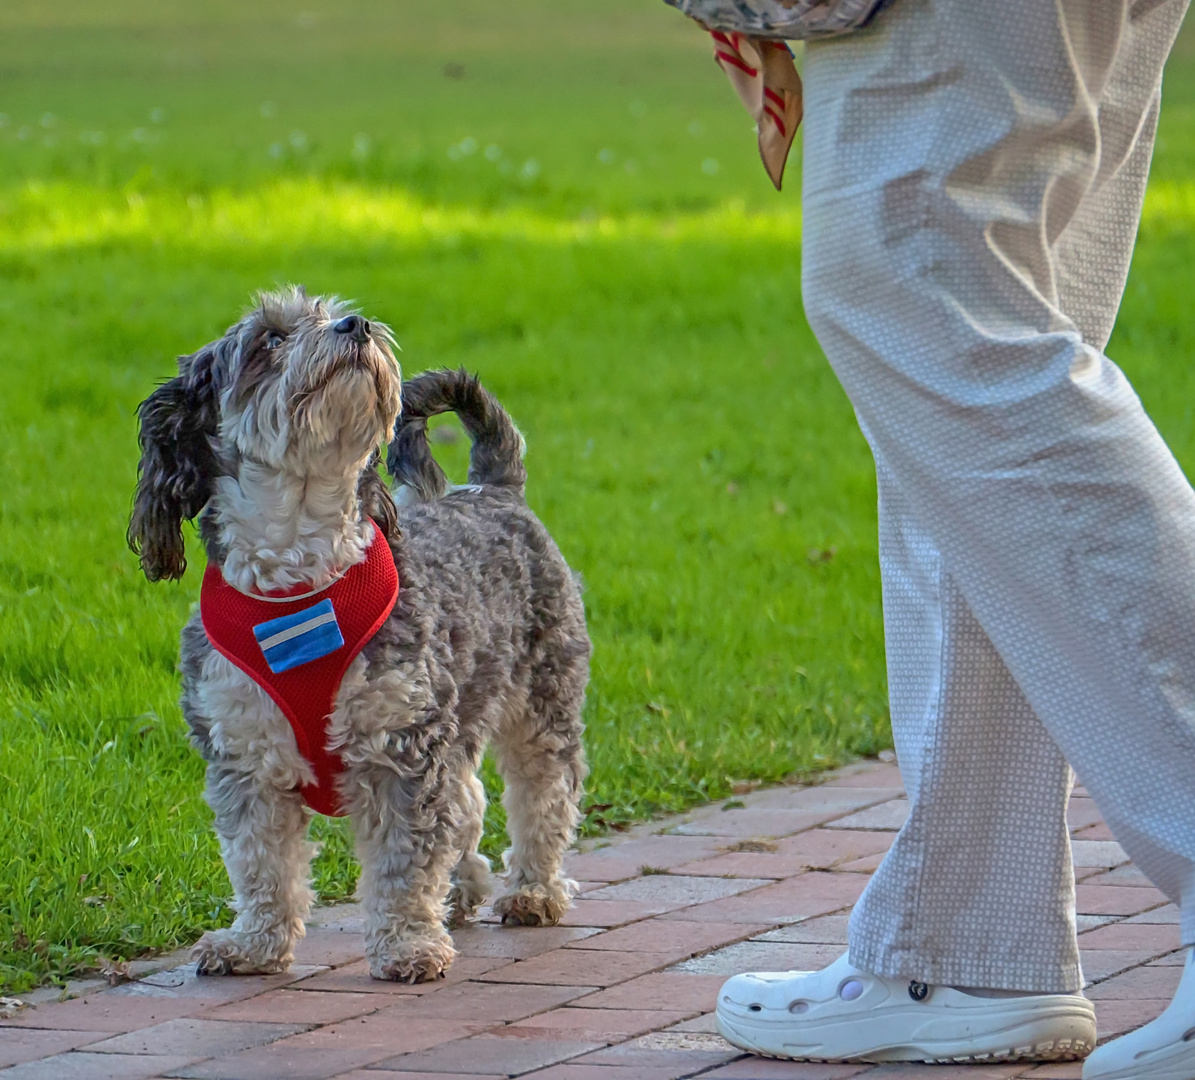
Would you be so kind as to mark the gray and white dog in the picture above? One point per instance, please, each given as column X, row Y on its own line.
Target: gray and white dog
column 270, row 436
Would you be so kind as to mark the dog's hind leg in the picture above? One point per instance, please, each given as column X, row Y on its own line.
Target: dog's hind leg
column 541, row 761
column 406, row 815
column 263, row 838
column 471, row 880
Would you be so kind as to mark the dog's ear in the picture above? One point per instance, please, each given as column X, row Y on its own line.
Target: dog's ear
column 177, row 467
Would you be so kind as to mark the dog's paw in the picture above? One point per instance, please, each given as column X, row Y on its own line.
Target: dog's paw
column 534, row 905
column 227, row 952
column 470, row 887
column 462, row 906
column 413, row 961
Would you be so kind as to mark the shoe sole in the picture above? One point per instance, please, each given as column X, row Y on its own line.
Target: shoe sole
column 1060, row 1037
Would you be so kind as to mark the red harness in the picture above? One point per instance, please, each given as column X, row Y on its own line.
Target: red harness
column 297, row 649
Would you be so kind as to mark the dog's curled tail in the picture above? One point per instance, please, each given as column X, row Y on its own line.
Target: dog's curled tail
column 496, row 456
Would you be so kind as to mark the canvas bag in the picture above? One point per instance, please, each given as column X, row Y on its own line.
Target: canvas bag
column 748, row 37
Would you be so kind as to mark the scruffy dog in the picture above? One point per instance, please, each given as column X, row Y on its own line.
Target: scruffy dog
column 270, row 437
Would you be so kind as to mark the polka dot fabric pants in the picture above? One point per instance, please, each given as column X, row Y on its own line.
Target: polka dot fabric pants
column 973, row 178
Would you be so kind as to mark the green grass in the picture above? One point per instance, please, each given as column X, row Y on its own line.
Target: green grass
column 689, row 448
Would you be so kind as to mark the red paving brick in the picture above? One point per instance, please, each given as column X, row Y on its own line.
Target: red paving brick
column 945, row 1072
column 794, row 898
column 1165, row 914
column 763, row 1069
column 888, row 816
column 628, row 859
column 660, row 990
column 486, row 1053
column 328, row 1052
column 593, row 1025
column 817, row 849
column 681, row 939
column 183, row 982
column 484, row 1002
column 869, row 775
column 763, row 956
column 29, row 1044
column 825, row 799
column 355, row 977
column 610, row 913
column 195, row 1038
column 81, row 1065
column 279, row 1061
column 1059, row 1070
column 388, row 1074
column 742, row 824
column 1095, row 832
column 299, row 1007
column 1178, row 959
column 515, row 942
column 636, row 1055
column 1082, row 814
column 622, row 990
column 1100, row 964
column 570, row 1071
column 329, row 948
column 828, row 930
column 1154, row 981
column 745, row 864
column 674, row 890
column 1100, row 853
column 577, row 967
column 1114, row 1018
column 1116, row 900
column 868, row 865
column 1121, row 875
column 106, row 1011
column 706, row 1022
column 380, row 1031
column 1144, row 936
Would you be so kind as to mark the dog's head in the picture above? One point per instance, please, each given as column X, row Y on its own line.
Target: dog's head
column 301, row 385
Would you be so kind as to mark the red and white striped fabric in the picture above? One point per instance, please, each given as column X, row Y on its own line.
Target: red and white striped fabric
column 764, row 76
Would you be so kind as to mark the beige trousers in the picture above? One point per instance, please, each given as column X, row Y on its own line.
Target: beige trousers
column 973, row 178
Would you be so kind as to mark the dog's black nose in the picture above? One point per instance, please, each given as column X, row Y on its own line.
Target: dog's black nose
column 353, row 325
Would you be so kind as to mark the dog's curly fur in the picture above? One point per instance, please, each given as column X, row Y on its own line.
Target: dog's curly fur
column 270, row 436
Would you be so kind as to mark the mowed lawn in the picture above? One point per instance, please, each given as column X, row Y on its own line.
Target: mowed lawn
column 564, row 198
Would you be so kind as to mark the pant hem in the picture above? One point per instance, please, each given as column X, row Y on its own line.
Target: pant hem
column 1064, row 978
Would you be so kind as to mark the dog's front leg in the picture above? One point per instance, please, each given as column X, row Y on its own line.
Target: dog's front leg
column 405, row 825
column 263, row 838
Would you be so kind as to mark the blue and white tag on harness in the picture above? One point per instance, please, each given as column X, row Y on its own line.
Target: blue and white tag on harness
column 299, row 638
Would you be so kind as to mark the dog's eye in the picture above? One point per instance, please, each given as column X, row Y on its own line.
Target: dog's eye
column 274, row 339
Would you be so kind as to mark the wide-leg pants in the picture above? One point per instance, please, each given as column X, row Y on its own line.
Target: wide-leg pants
column 974, row 172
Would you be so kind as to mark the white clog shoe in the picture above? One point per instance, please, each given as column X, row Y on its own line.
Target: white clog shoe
column 844, row 1014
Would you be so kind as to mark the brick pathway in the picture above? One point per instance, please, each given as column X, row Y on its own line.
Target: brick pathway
column 622, row 991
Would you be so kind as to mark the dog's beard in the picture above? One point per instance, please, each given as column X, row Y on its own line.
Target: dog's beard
column 345, row 412
column 321, row 413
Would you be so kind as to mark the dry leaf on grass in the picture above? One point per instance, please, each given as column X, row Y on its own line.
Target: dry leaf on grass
column 115, row 971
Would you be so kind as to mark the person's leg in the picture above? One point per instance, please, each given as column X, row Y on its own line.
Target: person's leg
column 931, row 278
column 958, row 716
column 946, row 155
column 978, row 889
column 1091, row 273
column 977, row 892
